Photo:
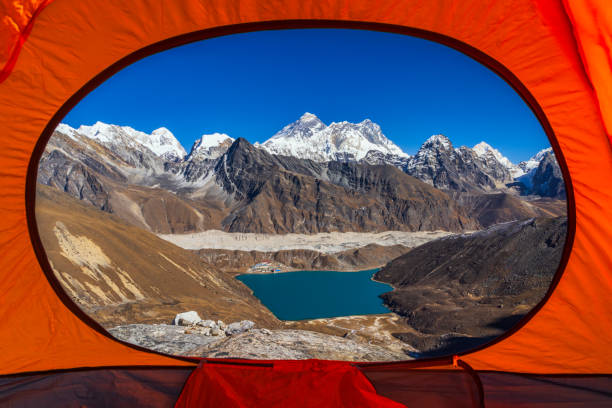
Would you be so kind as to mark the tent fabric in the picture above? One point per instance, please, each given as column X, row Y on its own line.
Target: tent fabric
column 17, row 21
column 411, row 383
column 554, row 52
column 507, row 390
column 150, row 387
column 307, row 383
column 592, row 20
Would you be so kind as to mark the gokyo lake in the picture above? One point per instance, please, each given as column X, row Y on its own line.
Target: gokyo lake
column 318, row 294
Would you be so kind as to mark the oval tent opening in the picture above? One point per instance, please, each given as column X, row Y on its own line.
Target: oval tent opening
column 294, row 194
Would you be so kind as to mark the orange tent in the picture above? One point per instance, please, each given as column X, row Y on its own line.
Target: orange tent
column 555, row 53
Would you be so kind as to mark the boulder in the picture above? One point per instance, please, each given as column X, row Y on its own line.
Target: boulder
column 186, row 318
column 239, row 327
column 207, row 323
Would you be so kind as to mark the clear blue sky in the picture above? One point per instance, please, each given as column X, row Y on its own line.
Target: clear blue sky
column 251, row 85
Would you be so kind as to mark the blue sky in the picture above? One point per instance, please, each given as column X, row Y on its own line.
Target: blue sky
column 251, row 85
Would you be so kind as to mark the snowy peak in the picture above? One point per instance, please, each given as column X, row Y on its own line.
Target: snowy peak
column 310, row 119
column 437, row 142
column 534, row 162
column 484, row 149
column 540, row 155
column 210, row 140
column 210, row 146
column 486, row 152
column 310, row 138
column 161, row 141
column 529, row 167
column 430, row 154
column 67, row 131
column 301, row 130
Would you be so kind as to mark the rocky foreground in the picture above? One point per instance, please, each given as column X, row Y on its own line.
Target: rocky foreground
column 296, row 345
column 191, row 336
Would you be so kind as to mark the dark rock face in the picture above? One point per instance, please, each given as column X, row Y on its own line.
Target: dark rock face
column 58, row 170
column 548, row 179
column 285, row 194
column 194, row 169
column 199, row 161
column 475, row 285
column 439, row 164
column 375, row 157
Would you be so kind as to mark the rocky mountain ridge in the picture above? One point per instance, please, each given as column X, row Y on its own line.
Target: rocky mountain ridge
column 481, row 167
column 249, row 190
column 235, row 186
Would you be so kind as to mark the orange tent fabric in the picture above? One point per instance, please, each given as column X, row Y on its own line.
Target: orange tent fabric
column 17, row 22
column 556, row 53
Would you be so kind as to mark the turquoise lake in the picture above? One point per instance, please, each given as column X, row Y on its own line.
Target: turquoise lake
column 317, row 294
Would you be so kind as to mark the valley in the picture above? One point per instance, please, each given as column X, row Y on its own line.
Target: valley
column 137, row 230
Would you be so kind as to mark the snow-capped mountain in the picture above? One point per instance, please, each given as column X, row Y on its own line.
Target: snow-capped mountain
column 203, row 156
column 441, row 165
column 529, row 167
column 310, row 138
column 531, row 164
column 210, row 146
column 547, row 179
column 486, row 151
column 542, row 175
column 118, row 138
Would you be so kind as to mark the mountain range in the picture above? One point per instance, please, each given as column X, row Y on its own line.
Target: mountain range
column 307, row 178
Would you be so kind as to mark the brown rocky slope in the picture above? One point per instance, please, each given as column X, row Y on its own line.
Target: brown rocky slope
column 460, row 291
column 122, row 274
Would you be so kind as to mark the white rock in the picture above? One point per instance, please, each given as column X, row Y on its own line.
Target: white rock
column 186, row 318
column 221, row 324
column 207, row 323
column 239, row 327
